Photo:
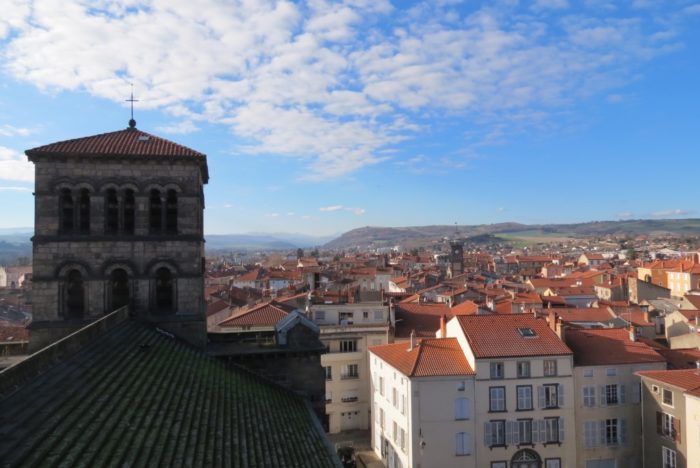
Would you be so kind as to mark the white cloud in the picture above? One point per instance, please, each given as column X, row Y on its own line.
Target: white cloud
column 668, row 213
column 272, row 215
column 15, row 189
column 693, row 9
column 625, row 215
column 228, row 205
column 319, row 81
column 14, row 166
column 356, row 211
column 184, row 127
column 331, row 208
column 10, row 131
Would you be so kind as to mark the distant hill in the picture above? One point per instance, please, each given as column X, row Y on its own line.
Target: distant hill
column 373, row 237
column 276, row 241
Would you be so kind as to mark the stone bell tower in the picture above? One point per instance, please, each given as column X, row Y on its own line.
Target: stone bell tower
column 118, row 222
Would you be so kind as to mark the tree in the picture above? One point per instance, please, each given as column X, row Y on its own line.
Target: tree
column 300, row 252
column 631, row 254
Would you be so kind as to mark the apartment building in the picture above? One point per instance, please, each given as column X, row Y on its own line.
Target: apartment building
column 671, row 418
column 423, row 400
column 608, row 394
column 523, row 390
column 347, row 330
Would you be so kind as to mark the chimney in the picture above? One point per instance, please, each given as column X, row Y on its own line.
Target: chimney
column 646, row 316
column 560, row 329
column 443, row 326
column 412, row 343
column 633, row 335
column 552, row 319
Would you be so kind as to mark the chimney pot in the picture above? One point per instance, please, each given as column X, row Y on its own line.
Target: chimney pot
column 413, row 341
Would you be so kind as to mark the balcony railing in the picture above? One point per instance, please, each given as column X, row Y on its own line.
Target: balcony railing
column 349, row 376
column 349, row 399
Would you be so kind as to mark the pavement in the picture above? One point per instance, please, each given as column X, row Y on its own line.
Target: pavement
column 360, row 441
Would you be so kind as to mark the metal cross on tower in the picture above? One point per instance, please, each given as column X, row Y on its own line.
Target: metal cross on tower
column 132, row 122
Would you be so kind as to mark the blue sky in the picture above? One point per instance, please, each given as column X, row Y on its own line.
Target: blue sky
column 322, row 116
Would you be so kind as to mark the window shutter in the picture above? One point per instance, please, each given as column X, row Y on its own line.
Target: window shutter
column 622, row 423
column 540, row 396
column 459, row 443
column 622, row 397
column 487, row 434
column 636, row 393
column 543, row 430
column 659, row 422
column 509, row 432
column 587, row 442
column 467, row 408
column 677, row 430
column 468, row 443
column 535, row 432
column 560, row 396
column 601, row 433
column 603, row 400
column 560, row 423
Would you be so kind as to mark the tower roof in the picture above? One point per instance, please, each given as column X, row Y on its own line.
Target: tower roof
column 130, row 143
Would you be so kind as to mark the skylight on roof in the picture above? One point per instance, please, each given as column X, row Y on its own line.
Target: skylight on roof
column 527, row 332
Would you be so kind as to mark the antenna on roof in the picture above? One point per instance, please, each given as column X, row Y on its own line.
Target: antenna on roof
column 132, row 122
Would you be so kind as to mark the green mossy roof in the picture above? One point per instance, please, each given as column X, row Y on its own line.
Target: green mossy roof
column 138, row 398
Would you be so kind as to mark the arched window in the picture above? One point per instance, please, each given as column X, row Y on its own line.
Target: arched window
column 84, row 211
column 119, row 288
column 171, row 212
column 66, row 211
column 111, row 212
column 164, row 290
column 75, row 295
column 129, row 211
column 155, row 212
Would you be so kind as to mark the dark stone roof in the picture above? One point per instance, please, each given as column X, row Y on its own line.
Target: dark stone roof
column 130, row 142
column 134, row 396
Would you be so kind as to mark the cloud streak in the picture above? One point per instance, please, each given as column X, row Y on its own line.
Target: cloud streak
column 320, row 81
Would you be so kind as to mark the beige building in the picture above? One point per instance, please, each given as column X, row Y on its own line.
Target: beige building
column 348, row 330
column 608, row 418
column 670, row 418
column 423, row 403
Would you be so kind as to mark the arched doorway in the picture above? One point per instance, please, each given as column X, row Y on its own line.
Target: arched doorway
column 75, row 295
column 526, row 458
column 164, row 290
column 119, row 284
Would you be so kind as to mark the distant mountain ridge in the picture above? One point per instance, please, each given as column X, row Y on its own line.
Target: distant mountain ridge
column 390, row 236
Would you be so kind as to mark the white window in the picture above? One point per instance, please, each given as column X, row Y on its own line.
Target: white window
column 523, row 369
column 524, row 434
column 588, row 372
column 395, row 431
column 350, row 371
column 461, row 386
column 394, row 397
column 378, row 315
column 611, row 372
column 668, row 457
column 550, row 367
column 329, row 373
column 612, row 394
column 402, row 439
column 612, row 432
column 589, row 396
column 462, row 408
column 381, row 386
column 524, row 393
column 499, row 464
column 494, row 433
column 463, row 444
column 329, row 397
column 320, row 315
column 552, row 463
column 590, row 434
column 553, row 430
column 496, row 370
column 403, row 404
column 381, row 418
column 667, row 425
column 667, row 397
column 497, row 398
column 551, row 396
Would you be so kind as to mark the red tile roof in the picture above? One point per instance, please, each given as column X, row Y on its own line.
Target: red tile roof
column 684, row 358
column 130, row 142
column 687, row 379
column 12, row 333
column 585, row 314
column 432, row 357
column 424, row 319
column 262, row 315
column 603, row 346
column 466, row 307
column 498, row 336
